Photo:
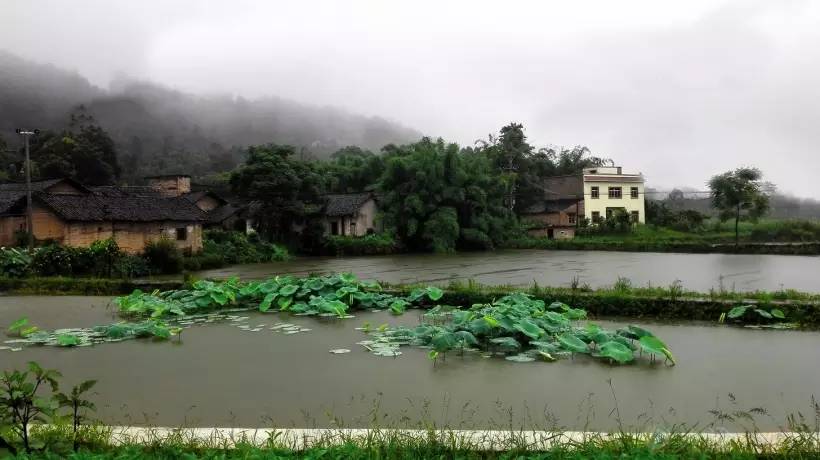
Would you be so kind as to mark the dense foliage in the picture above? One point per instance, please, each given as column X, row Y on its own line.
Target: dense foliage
column 104, row 258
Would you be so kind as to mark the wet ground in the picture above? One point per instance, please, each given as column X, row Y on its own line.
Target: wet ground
column 221, row 375
column 699, row 272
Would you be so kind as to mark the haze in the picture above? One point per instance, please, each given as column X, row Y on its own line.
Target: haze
column 679, row 91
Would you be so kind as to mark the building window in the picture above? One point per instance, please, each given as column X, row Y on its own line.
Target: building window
column 593, row 193
column 596, row 217
column 635, row 217
column 571, row 218
column 593, row 171
column 353, row 228
column 334, row 228
column 615, row 192
column 182, row 233
column 608, row 213
column 633, row 192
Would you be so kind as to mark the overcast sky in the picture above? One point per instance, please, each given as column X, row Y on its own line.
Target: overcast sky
column 676, row 90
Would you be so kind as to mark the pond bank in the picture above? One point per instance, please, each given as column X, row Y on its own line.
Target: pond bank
column 809, row 248
column 649, row 303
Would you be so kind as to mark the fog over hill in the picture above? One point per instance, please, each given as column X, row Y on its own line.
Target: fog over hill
column 159, row 130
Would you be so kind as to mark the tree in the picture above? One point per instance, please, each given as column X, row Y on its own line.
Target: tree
column 287, row 188
column 738, row 195
column 84, row 152
column 352, row 169
column 438, row 197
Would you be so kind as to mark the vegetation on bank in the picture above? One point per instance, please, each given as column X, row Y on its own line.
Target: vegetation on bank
column 105, row 259
column 711, row 236
column 373, row 244
column 39, row 421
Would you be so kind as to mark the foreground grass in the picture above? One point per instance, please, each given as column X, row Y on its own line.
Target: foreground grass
column 100, row 442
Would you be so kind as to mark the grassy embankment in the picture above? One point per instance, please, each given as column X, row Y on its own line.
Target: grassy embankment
column 764, row 237
column 96, row 443
column 620, row 300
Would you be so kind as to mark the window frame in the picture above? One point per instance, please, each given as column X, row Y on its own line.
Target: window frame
column 635, row 217
column 610, row 193
column 181, row 231
column 572, row 218
column 596, row 217
column 594, row 192
column 634, row 193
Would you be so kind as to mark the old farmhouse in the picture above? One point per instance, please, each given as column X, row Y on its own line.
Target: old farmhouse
column 595, row 194
column 69, row 213
column 351, row 214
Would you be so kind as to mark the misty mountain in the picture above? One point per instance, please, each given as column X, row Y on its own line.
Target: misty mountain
column 160, row 130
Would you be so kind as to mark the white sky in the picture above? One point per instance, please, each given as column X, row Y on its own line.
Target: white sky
column 677, row 90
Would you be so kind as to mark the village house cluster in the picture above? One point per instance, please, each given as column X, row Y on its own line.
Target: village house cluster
column 72, row 214
column 595, row 194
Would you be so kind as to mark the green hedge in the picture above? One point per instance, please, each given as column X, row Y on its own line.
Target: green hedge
column 697, row 247
column 613, row 304
column 81, row 286
column 377, row 243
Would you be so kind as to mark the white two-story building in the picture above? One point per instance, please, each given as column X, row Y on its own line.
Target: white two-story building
column 608, row 189
column 595, row 194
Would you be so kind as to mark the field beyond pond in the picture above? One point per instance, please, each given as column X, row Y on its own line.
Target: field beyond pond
column 221, row 374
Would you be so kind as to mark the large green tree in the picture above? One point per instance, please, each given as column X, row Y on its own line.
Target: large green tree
column 524, row 168
column 438, row 197
column 352, row 169
column 287, row 189
column 738, row 195
column 84, row 152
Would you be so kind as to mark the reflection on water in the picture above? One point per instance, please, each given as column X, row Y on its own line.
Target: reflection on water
column 220, row 375
column 700, row 272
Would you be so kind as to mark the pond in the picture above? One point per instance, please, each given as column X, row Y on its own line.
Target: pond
column 699, row 272
column 221, row 375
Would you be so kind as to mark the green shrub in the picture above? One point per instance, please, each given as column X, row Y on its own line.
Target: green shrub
column 375, row 243
column 14, row 262
column 131, row 266
column 163, row 256
column 55, row 260
column 238, row 248
column 786, row 231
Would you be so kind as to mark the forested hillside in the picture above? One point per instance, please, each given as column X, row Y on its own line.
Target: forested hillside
column 160, row 130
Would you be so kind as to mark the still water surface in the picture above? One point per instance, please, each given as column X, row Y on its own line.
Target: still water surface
column 699, row 272
column 220, row 375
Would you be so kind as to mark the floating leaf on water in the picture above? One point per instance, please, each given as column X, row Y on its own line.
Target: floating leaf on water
column 291, row 332
column 547, row 356
column 15, row 349
column 616, row 351
column 737, row 312
column 520, row 358
column 339, row 351
column 778, row 313
column 304, row 329
column 763, row 313
column 572, row 343
column 656, row 346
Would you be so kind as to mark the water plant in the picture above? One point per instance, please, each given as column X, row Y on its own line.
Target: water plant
column 516, row 324
column 21, row 402
column 524, row 329
column 751, row 314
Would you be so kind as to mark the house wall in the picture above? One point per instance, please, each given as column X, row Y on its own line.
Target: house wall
column 131, row 237
column 8, row 227
column 603, row 201
column 363, row 220
column 46, row 225
column 558, row 233
column 171, row 185
column 207, row 203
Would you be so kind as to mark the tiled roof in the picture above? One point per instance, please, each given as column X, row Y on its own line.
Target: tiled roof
column 122, row 208
column 221, row 213
column 551, row 206
column 345, row 204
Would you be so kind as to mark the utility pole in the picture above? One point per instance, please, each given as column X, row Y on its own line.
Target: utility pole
column 29, row 221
